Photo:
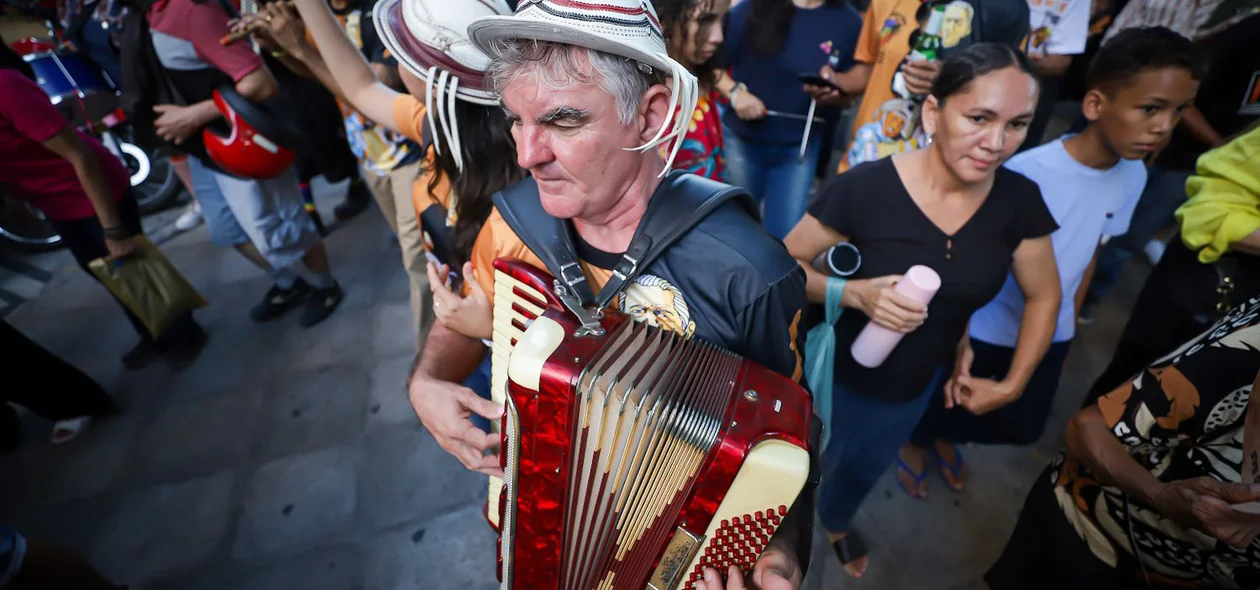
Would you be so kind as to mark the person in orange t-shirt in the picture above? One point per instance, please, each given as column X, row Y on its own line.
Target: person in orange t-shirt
column 452, row 112
column 887, row 122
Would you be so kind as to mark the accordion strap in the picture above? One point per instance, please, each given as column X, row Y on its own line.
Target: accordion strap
column 680, row 202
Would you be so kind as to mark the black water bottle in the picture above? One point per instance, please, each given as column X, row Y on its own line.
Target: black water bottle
column 840, row 260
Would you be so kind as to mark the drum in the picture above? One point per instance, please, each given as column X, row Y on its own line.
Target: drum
column 66, row 75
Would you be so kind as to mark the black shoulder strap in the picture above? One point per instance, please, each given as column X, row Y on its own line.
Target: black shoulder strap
column 682, row 201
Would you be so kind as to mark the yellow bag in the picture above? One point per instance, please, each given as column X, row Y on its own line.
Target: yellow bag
column 149, row 285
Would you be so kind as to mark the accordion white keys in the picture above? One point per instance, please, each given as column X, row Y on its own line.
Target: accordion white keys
column 633, row 457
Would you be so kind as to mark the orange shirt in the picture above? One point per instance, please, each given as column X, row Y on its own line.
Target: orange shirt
column 884, row 43
column 497, row 240
column 410, row 118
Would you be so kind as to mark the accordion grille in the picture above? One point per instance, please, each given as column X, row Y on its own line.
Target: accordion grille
column 650, row 408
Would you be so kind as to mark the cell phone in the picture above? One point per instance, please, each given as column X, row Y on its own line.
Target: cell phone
column 816, row 80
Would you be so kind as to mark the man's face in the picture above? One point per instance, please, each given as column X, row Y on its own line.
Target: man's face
column 1137, row 117
column 573, row 143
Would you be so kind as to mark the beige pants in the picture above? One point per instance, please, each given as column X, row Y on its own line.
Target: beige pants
column 393, row 194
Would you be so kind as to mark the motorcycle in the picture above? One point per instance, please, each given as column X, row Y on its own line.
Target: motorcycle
column 89, row 99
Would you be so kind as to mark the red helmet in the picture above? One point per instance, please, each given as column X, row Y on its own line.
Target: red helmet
column 259, row 144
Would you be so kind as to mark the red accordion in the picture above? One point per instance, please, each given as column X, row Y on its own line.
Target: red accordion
column 633, row 457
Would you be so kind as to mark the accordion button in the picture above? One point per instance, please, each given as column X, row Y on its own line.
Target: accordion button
column 725, row 523
column 760, row 515
column 782, row 510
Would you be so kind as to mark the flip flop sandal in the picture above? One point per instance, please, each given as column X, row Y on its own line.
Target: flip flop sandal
column 850, row 549
column 954, row 470
column 918, row 479
column 65, row 431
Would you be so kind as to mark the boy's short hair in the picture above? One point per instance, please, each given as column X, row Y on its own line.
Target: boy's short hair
column 1142, row 49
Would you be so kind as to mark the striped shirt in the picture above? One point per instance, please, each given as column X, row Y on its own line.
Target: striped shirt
column 1193, row 19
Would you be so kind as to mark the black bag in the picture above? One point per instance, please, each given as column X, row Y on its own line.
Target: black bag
column 145, row 81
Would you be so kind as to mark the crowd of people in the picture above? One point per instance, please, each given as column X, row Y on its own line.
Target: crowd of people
column 580, row 116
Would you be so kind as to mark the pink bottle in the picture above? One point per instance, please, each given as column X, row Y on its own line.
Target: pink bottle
column 875, row 343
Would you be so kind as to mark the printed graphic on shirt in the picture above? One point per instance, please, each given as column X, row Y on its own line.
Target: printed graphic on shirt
column 957, row 25
column 894, row 127
column 380, row 149
column 893, row 24
column 655, row 301
column 1251, row 100
column 1045, row 16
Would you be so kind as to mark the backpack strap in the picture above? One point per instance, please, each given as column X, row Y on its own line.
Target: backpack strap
column 680, row 202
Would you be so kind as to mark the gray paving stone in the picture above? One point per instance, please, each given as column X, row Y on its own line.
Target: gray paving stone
column 295, row 503
column 237, row 268
column 309, row 409
column 389, row 404
column 61, row 473
column 200, row 437
column 165, row 528
column 406, row 476
column 74, row 525
column 345, row 337
column 336, row 568
column 454, row 551
column 392, row 332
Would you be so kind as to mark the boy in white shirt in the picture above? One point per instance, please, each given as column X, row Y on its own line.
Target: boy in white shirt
column 1139, row 84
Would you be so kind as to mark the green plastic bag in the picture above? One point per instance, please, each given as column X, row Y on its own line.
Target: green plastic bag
column 820, row 356
column 149, row 285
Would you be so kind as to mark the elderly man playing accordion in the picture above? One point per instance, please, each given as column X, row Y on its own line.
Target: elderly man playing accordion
column 592, row 98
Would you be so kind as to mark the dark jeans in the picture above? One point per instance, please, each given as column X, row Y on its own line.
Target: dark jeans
column 865, row 436
column 43, row 383
column 86, row 240
column 479, row 382
column 1177, row 303
column 1020, row 423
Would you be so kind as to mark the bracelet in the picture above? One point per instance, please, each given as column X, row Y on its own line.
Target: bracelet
column 279, row 54
column 117, row 233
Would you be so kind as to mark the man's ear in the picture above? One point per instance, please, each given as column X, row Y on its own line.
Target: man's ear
column 1093, row 104
column 654, row 112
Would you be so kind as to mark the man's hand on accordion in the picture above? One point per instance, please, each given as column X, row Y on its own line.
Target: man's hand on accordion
column 776, row 570
column 445, row 409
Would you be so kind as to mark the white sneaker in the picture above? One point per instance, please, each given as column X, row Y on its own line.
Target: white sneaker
column 190, row 218
column 1154, row 250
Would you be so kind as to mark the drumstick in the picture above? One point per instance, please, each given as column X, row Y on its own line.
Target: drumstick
column 233, row 37
column 241, row 34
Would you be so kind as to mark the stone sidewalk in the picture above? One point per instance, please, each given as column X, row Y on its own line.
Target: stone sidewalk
column 290, row 458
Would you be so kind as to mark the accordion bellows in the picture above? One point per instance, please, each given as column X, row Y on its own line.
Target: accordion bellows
column 633, row 458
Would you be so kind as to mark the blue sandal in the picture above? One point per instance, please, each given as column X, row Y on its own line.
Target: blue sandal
column 954, row 470
column 918, row 480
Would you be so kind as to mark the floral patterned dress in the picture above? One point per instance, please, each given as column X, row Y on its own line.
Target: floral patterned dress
column 702, row 150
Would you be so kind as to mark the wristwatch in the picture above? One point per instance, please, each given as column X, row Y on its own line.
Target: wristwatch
column 735, row 92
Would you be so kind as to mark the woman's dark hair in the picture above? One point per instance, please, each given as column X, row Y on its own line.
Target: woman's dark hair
column 773, row 18
column 961, row 68
column 1142, row 49
column 674, row 16
column 489, row 167
column 10, row 60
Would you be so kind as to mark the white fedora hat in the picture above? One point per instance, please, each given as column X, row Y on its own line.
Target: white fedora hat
column 430, row 39
column 628, row 28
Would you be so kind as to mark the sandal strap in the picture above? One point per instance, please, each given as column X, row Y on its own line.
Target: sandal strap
column 850, row 549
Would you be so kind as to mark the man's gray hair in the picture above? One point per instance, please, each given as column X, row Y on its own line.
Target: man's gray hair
column 557, row 65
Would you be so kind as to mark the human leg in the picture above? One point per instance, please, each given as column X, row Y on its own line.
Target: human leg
column 866, row 434
column 47, row 385
column 411, row 245
column 744, row 167
column 787, row 184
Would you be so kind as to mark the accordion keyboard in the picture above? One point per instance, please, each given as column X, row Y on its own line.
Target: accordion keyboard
column 516, row 305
